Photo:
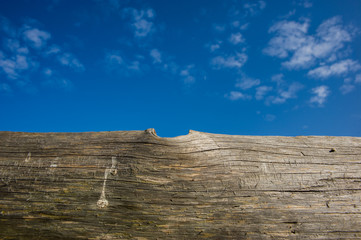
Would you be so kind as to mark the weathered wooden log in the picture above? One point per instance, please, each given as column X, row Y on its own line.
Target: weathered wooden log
column 136, row 185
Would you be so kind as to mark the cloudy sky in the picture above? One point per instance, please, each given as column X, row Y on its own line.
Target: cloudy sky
column 256, row 67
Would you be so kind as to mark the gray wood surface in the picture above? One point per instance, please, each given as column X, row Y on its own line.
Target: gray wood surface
column 136, row 185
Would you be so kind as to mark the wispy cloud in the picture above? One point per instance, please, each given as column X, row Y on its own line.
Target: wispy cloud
column 347, row 86
column 234, row 61
column 358, row 78
column 53, row 50
column 187, row 74
column 320, row 94
column 246, row 82
column 26, row 51
column 214, row 46
column 279, row 79
column 254, row 7
column 48, row 72
column 219, row 28
column 108, row 6
column 142, row 21
column 337, row 69
column 262, row 91
column 285, row 93
column 13, row 66
column 54, row 79
column 15, row 47
column 64, row 58
column 289, row 37
column 156, row 55
column 68, row 59
column 237, row 24
column 291, row 40
column 236, row 38
column 116, row 62
column 285, row 90
column 235, row 95
column 305, row 3
column 36, row 38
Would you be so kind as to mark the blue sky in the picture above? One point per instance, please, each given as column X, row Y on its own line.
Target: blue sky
column 234, row 67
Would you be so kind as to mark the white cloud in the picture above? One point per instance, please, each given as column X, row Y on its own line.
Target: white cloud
column 255, row 7
column 289, row 36
column 52, row 50
column 244, row 26
column 213, row 46
column 246, row 82
column 64, row 58
column 237, row 24
column 291, row 39
column 358, row 78
column 142, row 27
column 347, row 87
column 68, row 59
column 285, row 93
column 305, row 3
column 55, row 81
column 36, row 38
column 291, row 91
column 219, row 27
column 187, row 74
column 156, row 55
column 278, row 78
column 48, row 72
column 14, row 46
column 236, row 38
column 117, row 63
column 142, row 21
column 262, row 91
column 114, row 59
column 235, row 95
column 289, row 14
column 234, row 61
column 21, row 62
column 171, row 67
column 337, row 69
column 134, row 65
column 15, row 65
column 321, row 93
column 150, row 13
column 26, row 50
column 110, row 5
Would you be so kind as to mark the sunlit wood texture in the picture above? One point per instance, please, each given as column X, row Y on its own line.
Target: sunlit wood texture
column 136, row 185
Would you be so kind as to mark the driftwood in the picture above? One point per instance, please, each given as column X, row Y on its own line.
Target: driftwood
column 136, row 185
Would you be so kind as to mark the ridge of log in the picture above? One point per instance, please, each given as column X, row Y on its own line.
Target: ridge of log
column 137, row 185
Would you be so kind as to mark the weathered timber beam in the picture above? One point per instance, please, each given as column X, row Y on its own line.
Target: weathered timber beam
column 136, row 185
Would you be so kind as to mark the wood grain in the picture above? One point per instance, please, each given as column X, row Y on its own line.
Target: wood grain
column 136, row 185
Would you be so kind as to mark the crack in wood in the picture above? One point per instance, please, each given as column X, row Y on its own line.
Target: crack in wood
column 103, row 202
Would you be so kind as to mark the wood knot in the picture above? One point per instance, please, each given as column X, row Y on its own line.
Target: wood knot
column 102, row 203
column 332, row 150
column 151, row 131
